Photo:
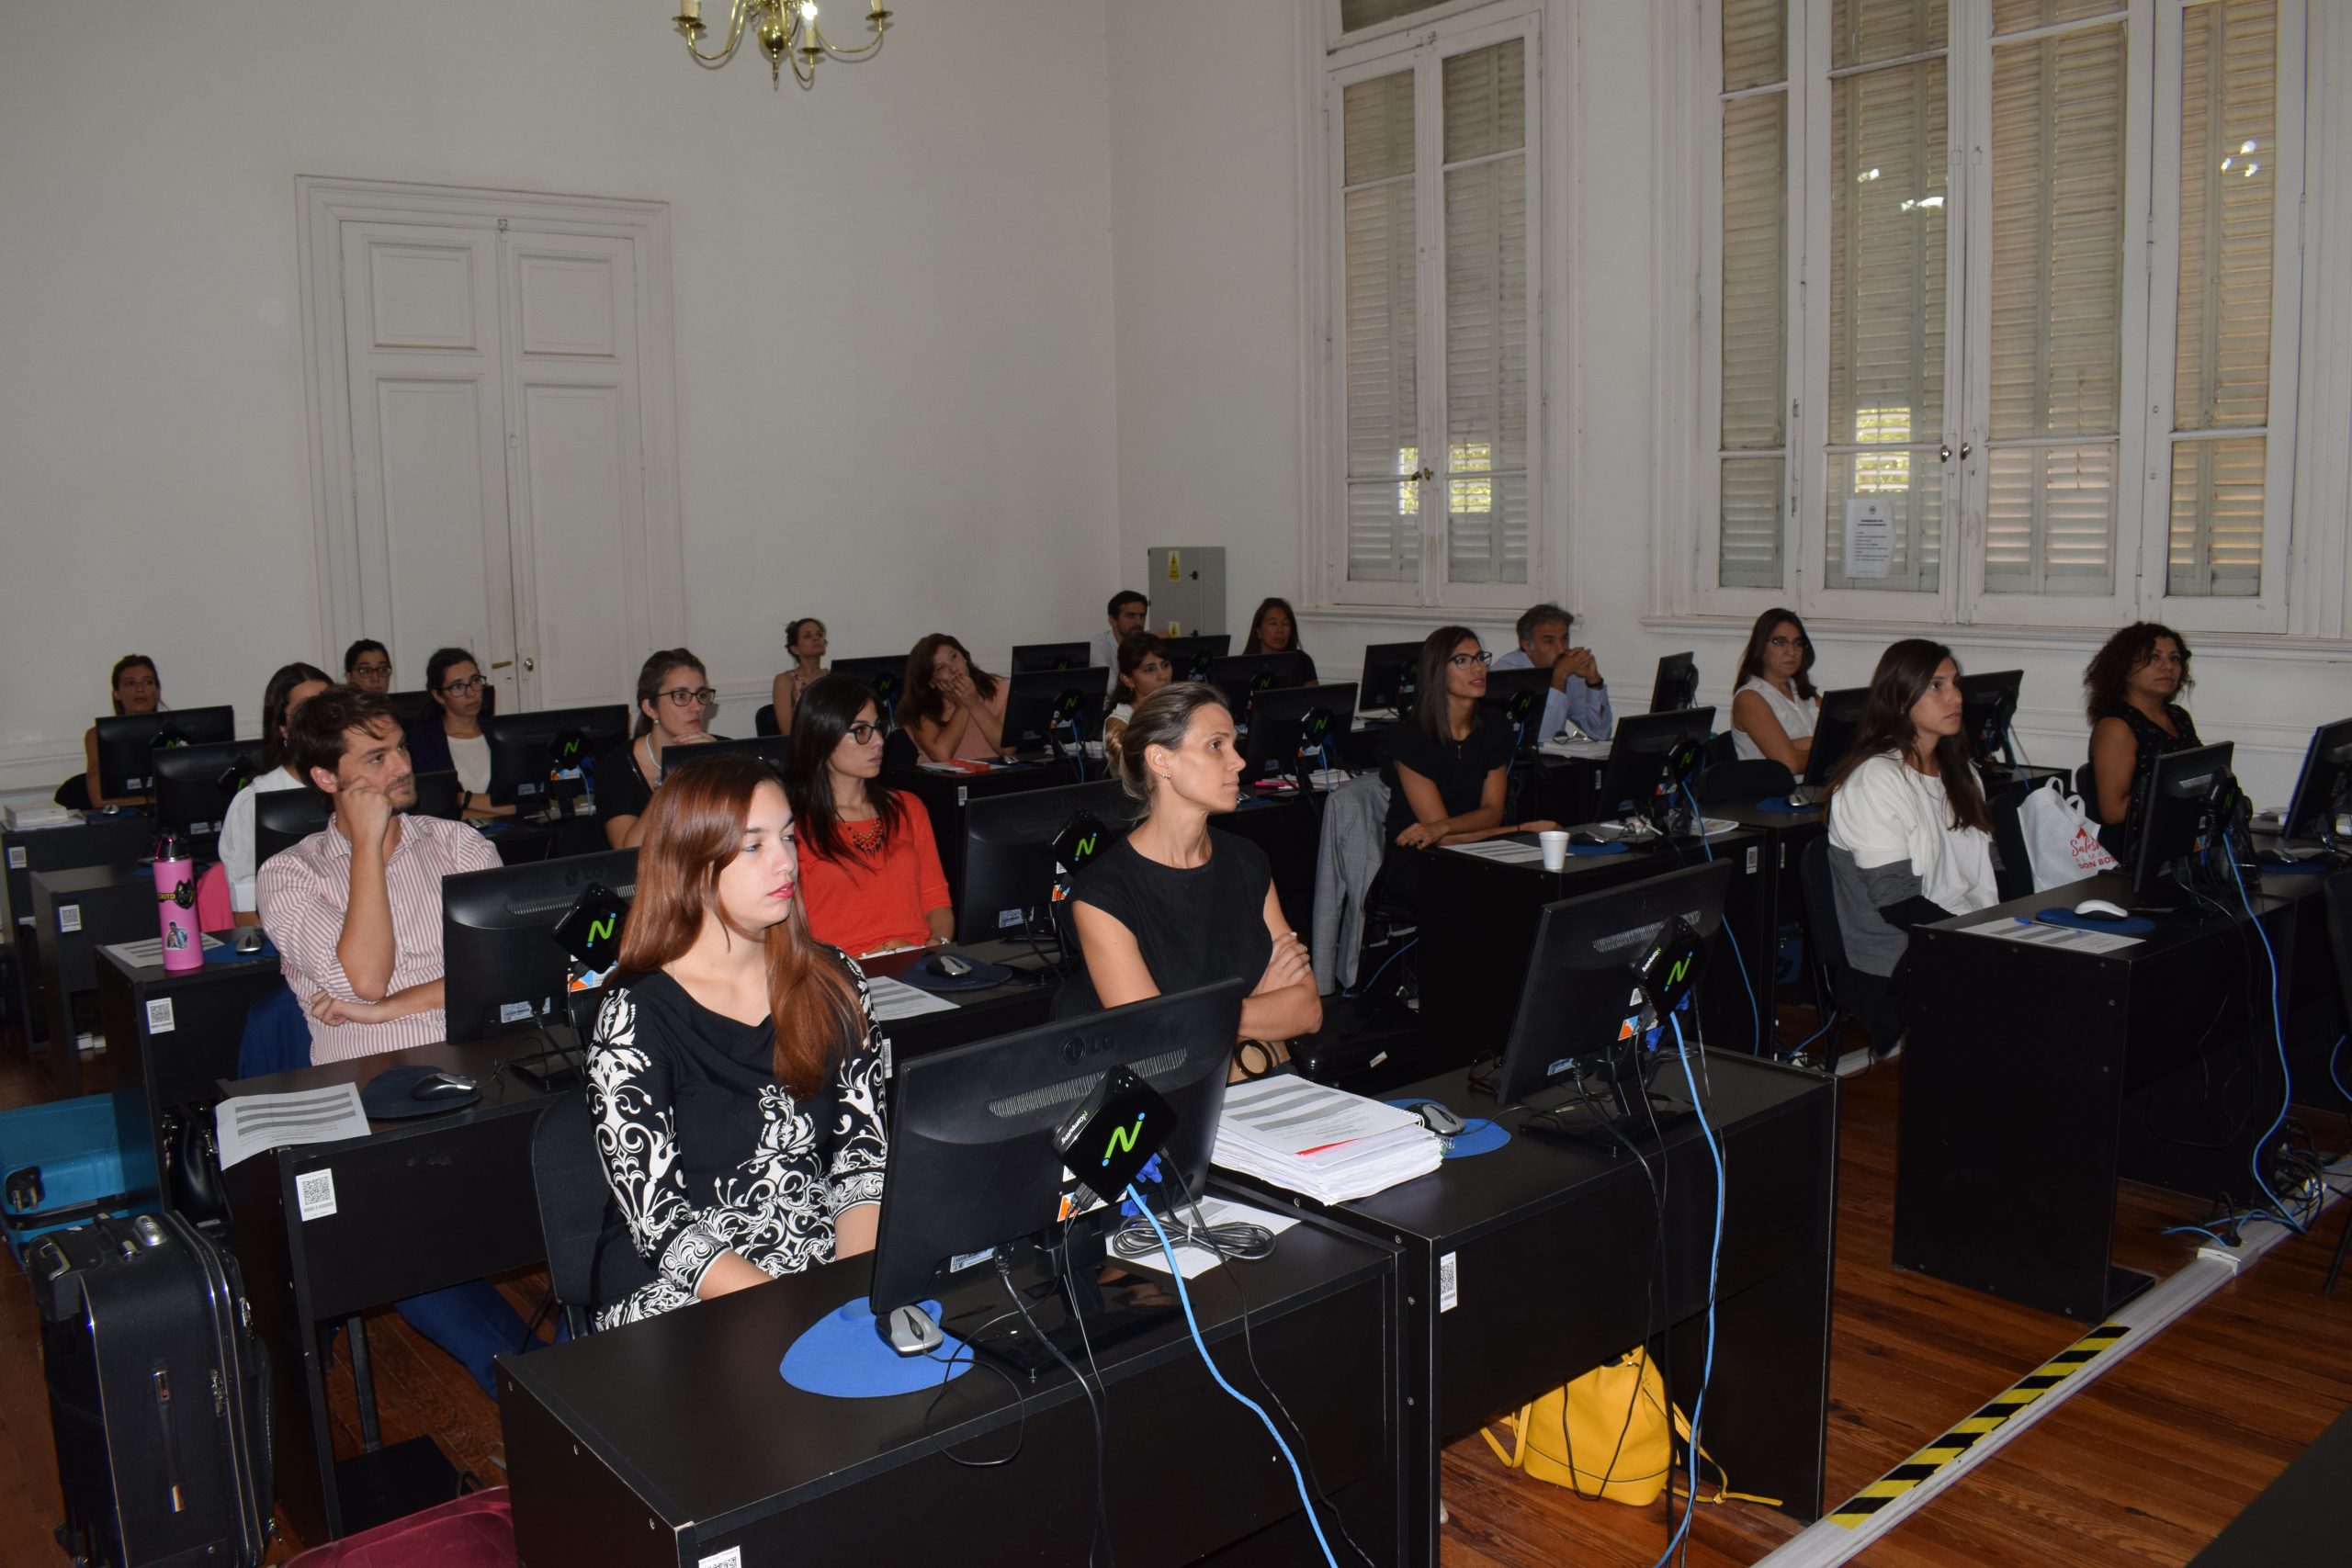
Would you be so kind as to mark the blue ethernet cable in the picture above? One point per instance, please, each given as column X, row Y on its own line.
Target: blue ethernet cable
column 1714, row 1257
column 2279, row 1032
column 1176, row 1272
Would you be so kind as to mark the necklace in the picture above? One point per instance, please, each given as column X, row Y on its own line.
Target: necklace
column 865, row 838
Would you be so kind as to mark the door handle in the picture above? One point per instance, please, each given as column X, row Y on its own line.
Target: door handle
column 502, row 664
column 530, row 663
column 1943, row 452
column 1964, row 450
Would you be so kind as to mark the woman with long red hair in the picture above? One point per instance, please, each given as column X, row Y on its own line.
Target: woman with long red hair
column 735, row 1073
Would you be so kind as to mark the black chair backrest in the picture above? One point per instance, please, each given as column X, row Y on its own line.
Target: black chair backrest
column 1757, row 778
column 900, row 750
column 284, row 818
column 764, row 721
column 573, row 1200
column 2087, row 785
column 1720, row 751
column 2012, row 867
column 1820, row 902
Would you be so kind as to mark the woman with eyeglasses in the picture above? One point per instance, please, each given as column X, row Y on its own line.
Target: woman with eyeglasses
column 673, row 699
column 1775, row 708
column 870, row 877
column 1448, row 768
column 450, row 739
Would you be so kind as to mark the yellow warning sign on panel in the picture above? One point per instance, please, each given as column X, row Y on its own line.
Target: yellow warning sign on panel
column 1923, row 1466
column 1175, row 567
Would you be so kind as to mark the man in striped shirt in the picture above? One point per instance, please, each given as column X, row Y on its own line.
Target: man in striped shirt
column 355, row 910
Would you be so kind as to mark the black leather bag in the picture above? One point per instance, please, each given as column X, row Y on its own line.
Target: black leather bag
column 158, row 1395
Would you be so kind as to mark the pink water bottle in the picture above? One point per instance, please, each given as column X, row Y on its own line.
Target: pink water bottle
column 175, row 905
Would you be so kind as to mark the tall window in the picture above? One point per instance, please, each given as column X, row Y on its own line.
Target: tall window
column 1998, row 308
column 1433, row 233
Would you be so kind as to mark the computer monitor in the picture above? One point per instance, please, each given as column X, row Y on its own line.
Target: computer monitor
column 773, row 749
column 1833, row 731
column 2324, row 787
column 1676, row 685
column 1243, row 677
column 1028, row 656
column 502, row 968
column 974, row 1162
column 126, row 741
column 284, row 818
column 1392, row 677
column 1584, row 1024
column 195, row 784
column 416, row 708
column 1291, row 730
column 883, row 676
column 1052, row 710
column 1988, row 706
column 1190, row 658
column 536, row 758
column 1517, row 696
column 1012, row 844
column 2176, row 810
column 1650, row 757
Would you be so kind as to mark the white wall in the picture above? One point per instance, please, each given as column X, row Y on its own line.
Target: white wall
column 892, row 310
column 1204, row 188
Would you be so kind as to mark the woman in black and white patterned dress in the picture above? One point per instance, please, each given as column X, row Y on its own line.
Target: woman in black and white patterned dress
column 735, row 1073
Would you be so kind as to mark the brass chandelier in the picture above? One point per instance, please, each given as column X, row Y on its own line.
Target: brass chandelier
column 786, row 29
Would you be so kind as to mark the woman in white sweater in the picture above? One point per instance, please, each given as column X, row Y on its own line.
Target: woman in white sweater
column 1910, row 837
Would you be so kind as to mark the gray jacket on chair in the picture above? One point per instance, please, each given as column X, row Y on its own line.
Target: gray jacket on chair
column 1347, row 861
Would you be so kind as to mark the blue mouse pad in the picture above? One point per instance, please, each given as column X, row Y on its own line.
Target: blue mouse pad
column 1783, row 805
column 2133, row 926
column 386, row 1096
column 2320, row 867
column 226, row 954
column 841, row 1356
column 1479, row 1135
column 982, row 977
column 1612, row 848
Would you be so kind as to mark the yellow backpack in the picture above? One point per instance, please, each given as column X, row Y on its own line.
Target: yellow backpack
column 1604, row 1435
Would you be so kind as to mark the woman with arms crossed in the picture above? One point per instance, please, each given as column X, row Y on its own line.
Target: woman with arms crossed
column 2128, row 689
column 736, row 1074
column 1174, row 906
column 1775, row 708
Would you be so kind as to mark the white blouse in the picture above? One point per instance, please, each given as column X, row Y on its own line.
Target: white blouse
column 1796, row 718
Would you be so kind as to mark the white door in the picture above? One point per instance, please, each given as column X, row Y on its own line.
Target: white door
column 493, row 421
column 427, row 361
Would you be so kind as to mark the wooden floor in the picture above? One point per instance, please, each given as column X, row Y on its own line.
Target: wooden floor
column 2144, row 1466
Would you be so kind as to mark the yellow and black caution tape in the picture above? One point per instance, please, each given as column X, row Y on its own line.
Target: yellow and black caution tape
column 2004, row 1407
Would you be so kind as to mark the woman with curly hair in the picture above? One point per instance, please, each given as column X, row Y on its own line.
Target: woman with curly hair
column 2129, row 690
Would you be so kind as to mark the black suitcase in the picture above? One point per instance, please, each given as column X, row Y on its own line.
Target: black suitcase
column 158, row 1395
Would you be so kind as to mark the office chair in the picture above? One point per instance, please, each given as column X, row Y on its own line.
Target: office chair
column 573, row 1200
column 764, row 721
column 1720, row 751
column 2338, row 892
column 2012, row 867
column 2086, row 786
column 899, row 751
column 1741, row 783
column 1824, row 944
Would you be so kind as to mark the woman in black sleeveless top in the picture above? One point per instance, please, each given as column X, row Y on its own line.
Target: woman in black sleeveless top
column 2128, row 689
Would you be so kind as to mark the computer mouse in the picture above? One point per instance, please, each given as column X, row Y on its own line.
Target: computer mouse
column 442, row 1086
column 947, row 966
column 248, row 939
column 1585, row 836
column 2100, row 909
column 909, row 1330
column 1438, row 1118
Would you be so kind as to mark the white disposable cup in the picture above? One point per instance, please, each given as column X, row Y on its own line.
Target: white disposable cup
column 1555, row 843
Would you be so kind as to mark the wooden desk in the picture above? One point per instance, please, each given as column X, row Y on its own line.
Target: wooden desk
column 1552, row 1249
column 2034, row 1079
column 677, row 1442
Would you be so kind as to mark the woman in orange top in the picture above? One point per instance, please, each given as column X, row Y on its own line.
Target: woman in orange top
column 870, row 877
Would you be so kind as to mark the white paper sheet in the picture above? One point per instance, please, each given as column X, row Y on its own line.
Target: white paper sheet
column 249, row 1123
column 1508, row 851
column 151, row 951
column 2065, row 939
column 895, row 1000
column 1870, row 537
column 1591, row 751
column 1196, row 1261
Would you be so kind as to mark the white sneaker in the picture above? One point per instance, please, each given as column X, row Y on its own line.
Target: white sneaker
column 1855, row 1061
column 1443, row 1517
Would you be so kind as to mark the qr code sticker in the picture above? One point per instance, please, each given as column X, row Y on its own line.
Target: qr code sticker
column 158, row 1016
column 314, row 1191
column 1449, row 1295
column 69, row 917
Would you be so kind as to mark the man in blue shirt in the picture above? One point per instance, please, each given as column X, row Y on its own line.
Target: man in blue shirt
column 1578, row 696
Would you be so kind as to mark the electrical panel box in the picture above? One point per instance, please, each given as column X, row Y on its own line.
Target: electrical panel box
column 1187, row 588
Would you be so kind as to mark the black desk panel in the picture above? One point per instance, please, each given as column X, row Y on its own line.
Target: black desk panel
column 100, row 840
column 171, row 1040
column 79, row 911
column 674, row 1440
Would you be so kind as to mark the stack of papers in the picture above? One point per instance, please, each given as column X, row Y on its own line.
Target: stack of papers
column 25, row 818
column 1510, row 852
column 1591, row 751
column 245, row 1124
column 1323, row 1143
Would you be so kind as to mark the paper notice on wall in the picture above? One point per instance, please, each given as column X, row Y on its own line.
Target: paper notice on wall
column 1870, row 536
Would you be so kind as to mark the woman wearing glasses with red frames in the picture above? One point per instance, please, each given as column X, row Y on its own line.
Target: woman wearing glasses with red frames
column 674, row 703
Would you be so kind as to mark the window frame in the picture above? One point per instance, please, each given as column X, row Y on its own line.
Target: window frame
column 1422, row 47
column 1691, row 67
